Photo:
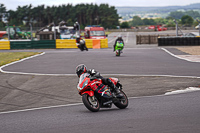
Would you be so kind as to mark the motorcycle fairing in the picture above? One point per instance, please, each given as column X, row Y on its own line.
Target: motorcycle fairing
column 104, row 91
column 119, row 45
column 90, row 93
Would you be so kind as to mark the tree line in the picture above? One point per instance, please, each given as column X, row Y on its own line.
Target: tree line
column 183, row 18
column 180, row 14
column 85, row 14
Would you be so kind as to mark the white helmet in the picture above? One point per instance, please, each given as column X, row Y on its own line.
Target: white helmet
column 120, row 36
column 82, row 41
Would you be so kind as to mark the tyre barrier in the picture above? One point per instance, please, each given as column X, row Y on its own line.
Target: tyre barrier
column 179, row 41
column 51, row 44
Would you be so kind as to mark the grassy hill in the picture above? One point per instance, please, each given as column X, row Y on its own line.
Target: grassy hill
column 165, row 9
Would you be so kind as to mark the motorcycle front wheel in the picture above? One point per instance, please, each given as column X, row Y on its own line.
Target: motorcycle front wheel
column 91, row 103
column 122, row 103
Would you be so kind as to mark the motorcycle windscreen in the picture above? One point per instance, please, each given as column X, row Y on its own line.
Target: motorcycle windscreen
column 119, row 45
column 82, row 81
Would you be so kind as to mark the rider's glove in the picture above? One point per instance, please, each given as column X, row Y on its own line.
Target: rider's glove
column 92, row 71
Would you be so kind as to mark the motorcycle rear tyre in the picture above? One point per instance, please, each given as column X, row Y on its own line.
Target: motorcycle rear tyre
column 121, row 105
column 118, row 52
column 89, row 105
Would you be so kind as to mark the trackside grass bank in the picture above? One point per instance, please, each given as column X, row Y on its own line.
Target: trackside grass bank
column 9, row 57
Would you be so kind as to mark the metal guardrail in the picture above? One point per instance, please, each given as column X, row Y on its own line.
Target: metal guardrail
column 41, row 44
column 51, row 44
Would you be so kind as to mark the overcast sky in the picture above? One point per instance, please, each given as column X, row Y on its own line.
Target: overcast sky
column 12, row 4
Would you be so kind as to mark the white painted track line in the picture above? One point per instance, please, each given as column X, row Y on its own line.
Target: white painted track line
column 74, row 74
column 179, row 57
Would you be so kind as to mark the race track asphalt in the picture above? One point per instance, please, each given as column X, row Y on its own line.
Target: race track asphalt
column 143, row 71
column 158, row 114
column 24, row 91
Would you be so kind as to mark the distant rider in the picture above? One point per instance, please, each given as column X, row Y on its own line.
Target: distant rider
column 80, row 69
column 118, row 39
column 80, row 43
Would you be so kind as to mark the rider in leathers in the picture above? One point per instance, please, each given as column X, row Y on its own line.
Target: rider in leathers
column 80, row 69
column 81, row 44
column 118, row 39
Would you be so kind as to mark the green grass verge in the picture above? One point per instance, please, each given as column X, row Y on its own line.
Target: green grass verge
column 8, row 57
column 107, row 32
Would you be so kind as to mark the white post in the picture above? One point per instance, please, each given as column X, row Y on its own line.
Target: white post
column 199, row 26
column 176, row 27
column 8, row 31
column 31, row 30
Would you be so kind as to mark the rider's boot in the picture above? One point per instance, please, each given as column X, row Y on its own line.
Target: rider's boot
column 117, row 92
column 86, row 48
column 115, row 88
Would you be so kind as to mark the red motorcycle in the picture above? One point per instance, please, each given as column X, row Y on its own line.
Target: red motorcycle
column 96, row 95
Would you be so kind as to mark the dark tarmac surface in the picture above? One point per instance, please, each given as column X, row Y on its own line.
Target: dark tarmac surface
column 157, row 114
column 18, row 92
column 136, row 61
column 154, row 114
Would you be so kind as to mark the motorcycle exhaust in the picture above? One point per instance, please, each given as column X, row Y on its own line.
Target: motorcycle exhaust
column 106, row 103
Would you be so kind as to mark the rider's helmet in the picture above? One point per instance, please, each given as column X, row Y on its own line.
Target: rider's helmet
column 80, row 69
column 82, row 42
column 78, row 38
column 120, row 37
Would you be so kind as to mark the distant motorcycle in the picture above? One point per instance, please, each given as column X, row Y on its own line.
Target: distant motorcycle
column 81, row 45
column 96, row 95
column 118, row 48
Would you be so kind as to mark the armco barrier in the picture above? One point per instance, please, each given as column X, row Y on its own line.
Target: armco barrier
column 41, row 44
column 96, row 43
column 89, row 43
column 104, row 43
column 46, row 44
column 5, row 45
column 62, row 43
column 179, row 41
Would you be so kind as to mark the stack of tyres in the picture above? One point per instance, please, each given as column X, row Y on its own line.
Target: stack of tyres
column 172, row 41
column 169, row 41
column 196, row 40
column 162, row 41
column 178, row 41
column 181, row 41
column 185, row 41
column 159, row 41
column 192, row 41
column 188, row 40
column 165, row 41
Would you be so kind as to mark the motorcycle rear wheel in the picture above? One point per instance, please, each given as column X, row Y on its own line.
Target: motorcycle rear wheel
column 118, row 52
column 122, row 102
column 91, row 103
